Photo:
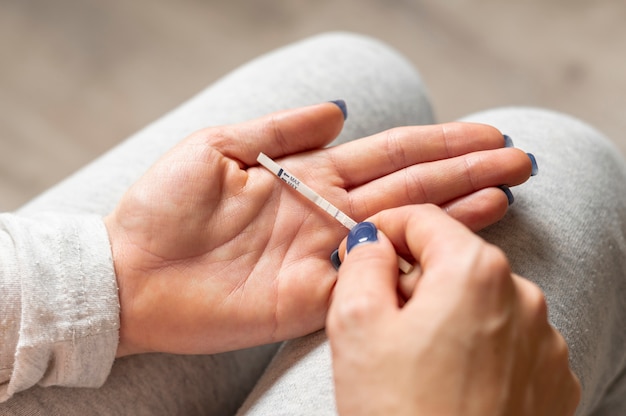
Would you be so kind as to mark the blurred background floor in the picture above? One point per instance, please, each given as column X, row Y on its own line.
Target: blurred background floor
column 79, row 76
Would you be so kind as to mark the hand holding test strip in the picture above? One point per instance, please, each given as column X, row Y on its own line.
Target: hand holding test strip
column 198, row 234
column 318, row 200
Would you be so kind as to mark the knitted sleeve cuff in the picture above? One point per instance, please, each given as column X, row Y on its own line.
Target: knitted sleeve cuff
column 60, row 306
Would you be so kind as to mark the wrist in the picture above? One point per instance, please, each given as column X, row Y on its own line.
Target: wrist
column 125, row 275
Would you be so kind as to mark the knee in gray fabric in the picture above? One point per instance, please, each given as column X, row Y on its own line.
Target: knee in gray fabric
column 546, row 131
column 390, row 89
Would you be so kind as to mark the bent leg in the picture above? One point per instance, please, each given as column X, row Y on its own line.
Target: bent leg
column 381, row 89
column 154, row 384
column 567, row 232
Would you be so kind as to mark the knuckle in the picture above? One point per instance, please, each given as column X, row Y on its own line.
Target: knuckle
column 212, row 135
column 393, row 147
column 497, row 273
column 425, row 210
column 352, row 312
column 561, row 350
column 496, row 258
column 568, row 379
column 537, row 305
column 577, row 391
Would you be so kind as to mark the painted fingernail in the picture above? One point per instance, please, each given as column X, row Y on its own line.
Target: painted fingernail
column 508, row 142
column 335, row 260
column 508, row 193
column 533, row 161
column 342, row 106
column 362, row 233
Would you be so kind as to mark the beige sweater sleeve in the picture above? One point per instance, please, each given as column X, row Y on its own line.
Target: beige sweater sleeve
column 59, row 308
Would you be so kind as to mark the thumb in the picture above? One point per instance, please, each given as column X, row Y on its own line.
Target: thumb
column 367, row 281
column 280, row 134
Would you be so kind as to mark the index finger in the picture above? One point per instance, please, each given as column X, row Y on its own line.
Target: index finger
column 446, row 250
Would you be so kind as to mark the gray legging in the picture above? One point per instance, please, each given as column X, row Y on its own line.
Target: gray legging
column 565, row 231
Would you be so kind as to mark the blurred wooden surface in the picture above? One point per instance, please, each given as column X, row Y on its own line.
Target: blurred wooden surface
column 78, row 76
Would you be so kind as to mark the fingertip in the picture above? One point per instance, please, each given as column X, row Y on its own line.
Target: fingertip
column 362, row 233
column 335, row 260
column 533, row 163
column 342, row 106
column 508, row 142
column 507, row 192
column 371, row 259
column 479, row 209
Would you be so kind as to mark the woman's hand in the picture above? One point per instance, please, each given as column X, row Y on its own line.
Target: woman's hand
column 214, row 253
column 473, row 339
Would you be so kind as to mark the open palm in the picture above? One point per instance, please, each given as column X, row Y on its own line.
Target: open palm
column 214, row 253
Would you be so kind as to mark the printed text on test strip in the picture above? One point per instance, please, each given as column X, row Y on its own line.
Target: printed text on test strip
column 317, row 199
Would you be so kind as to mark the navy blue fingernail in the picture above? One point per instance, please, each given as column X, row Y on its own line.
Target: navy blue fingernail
column 533, row 161
column 508, row 193
column 362, row 233
column 342, row 106
column 335, row 260
column 508, row 142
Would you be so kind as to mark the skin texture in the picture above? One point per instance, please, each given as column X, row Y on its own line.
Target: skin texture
column 472, row 339
column 214, row 253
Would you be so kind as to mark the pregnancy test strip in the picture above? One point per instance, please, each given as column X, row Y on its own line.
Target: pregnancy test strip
column 317, row 199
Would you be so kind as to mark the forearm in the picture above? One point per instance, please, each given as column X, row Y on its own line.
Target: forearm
column 59, row 304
